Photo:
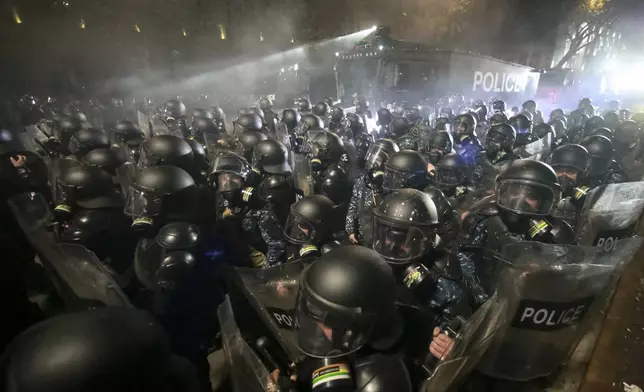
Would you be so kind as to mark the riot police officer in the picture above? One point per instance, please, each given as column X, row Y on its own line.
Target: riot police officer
column 439, row 144
column 611, row 119
column 570, row 162
column 67, row 126
column 101, row 350
column 399, row 127
column 321, row 109
column 256, row 216
column 498, row 154
column 367, row 191
column 467, row 143
column 337, row 117
column 384, row 121
column 128, row 138
column 327, row 148
column 560, row 129
column 593, row 123
column 219, row 117
column 291, row 119
column 498, row 118
column 270, row 117
column 205, row 132
column 169, row 150
column 453, row 176
column 362, row 108
column 309, row 227
column 159, row 195
column 303, row 105
column 359, row 138
column 499, row 106
column 85, row 140
column 603, row 168
column 530, row 106
column 270, row 159
column 174, row 116
column 405, row 169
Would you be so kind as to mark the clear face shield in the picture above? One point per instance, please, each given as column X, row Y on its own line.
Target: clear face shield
column 526, row 198
column 395, row 179
column 399, row 244
column 376, row 157
column 298, row 230
column 326, row 332
column 448, row 177
column 142, row 206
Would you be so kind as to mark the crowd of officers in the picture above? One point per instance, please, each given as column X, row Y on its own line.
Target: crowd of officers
column 168, row 205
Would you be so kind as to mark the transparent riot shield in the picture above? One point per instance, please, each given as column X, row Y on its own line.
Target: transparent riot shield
column 548, row 292
column 124, row 174
column 471, row 342
column 144, row 121
column 159, row 127
column 610, row 212
column 538, row 150
column 303, row 175
column 247, row 371
column 272, row 293
column 59, row 166
column 79, row 277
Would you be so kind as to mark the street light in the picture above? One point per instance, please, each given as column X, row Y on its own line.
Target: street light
column 137, row 28
column 16, row 17
column 82, row 23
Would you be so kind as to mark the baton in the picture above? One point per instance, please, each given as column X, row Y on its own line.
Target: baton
column 450, row 329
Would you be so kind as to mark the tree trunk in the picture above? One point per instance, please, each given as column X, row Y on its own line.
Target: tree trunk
column 569, row 54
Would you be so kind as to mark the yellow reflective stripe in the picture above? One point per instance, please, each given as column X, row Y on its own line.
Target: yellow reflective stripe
column 581, row 191
column 315, row 160
column 537, row 228
column 256, row 170
column 378, row 173
column 247, row 193
column 306, row 249
column 142, row 221
column 258, row 259
column 63, row 207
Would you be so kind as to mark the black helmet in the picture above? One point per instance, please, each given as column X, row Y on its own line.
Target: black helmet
column 361, row 101
column 603, row 132
column 556, row 112
column 327, row 146
column 448, row 229
column 86, row 187
column 174, row 109
column 570, row 162
column 464, row 124
column 291, row 118
column 328, row 100
column 166, row 150
column 399, row 126
column 337, row 114
column 321, row 109
column 452, row 170
column 85, row 140
column 626, row 134
column 405, row 226
column 593, row 123
column 249, row 122
column 529, row 106
column 230, row 173
column 612, row 119
column 527, row 187
column 107, row 349
column 413, row 115
column 271, row 156
column 303, row 104
column 585, row 102
column 498, row 106
column 407, row 142
column 126, row 130
column 265, row 103
column 255, row 110
column 354, row 122
column 500, row 137
column 346, row 300
column 336, row 185
column 161, row 190
column 543, row 129
column 405, row 169
column 600, row 149
column 218, row 114
column 480, row 108
column 204, row 126
column 379, row 152
column 103, row 158
column 308, row 220
column 578, row 119
column 247, row 141
column 70, row 124
column 384, row 116
column 559, row 127
column 521, row 123
column 439, row 144
column 201, row 113
column 624, row 114
column 311, row 121
column 443, row 124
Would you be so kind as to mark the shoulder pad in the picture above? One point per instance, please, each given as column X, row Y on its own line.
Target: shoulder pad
column 178, row 235
column 85, row 224
column 486, row 206
column 309, row 250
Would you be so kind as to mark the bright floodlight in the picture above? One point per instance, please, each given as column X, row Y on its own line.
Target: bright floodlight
column 296, row 67
column 381, row 47
column 337, row 54
column 374, row 28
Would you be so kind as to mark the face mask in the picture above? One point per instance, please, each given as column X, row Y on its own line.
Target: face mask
column 435, row 156
column 493, row 149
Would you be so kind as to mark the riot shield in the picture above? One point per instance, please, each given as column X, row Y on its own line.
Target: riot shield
column 247, row 371
column 34, row 139
column 538, row 150
column 272, row 293
column 145, row 123
column 352, row 154
column 610, row 212
column 472, row 341
column 79, row 277
column 548, row 291
column 303, row 175
column 124, row 174
column 59, row 166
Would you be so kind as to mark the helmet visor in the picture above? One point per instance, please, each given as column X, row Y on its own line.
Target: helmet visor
column 527, row 198
column 397, row 243
column 395, row 179
column 448, row 176
column 330, row 332
column 227, row 182
column 65, row 196
column 298, row 230
column 142, row 204
column 376, row 157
